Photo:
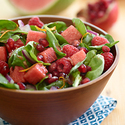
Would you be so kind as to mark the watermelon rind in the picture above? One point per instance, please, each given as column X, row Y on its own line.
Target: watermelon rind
column 52, row 8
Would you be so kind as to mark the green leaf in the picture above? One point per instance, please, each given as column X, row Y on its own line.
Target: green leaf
column 17, row 58
column 79, row 25
column 4, row 83
column 7, row 25
column 58, row 83
column 60, row 38
column 89, row 56
column 97, row 65
column 53, row 42
column 60, row 26
column 77, row 78
column 7, row 35
column 38, row 85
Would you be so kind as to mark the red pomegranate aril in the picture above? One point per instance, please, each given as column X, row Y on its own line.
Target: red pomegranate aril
column 85, row 80
column 40, row 57
column 40, row 47
column 52, row 79
column 52, row 67
column 43, row 42
column 76, row 43
column 88, row 68
column 61, row 74
column 84, row 49
column 21, row 85
column 105, row 49
column 8, row 48
column 82, row 68
column 10, row 42
column 55, row 73
column 4, row 68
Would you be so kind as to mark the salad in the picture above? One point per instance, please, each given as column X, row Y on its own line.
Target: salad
column 38, row 56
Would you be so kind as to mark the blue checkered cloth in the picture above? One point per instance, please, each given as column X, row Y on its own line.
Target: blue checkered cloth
column 100, row 109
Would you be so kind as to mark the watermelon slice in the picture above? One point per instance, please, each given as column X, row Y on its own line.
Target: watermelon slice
column 26, row 7
column 16, row 75
column 49, row 55
column 35, row 74
column 71, row 34
column 78, row 57
column 35, row 36
column 3, row 53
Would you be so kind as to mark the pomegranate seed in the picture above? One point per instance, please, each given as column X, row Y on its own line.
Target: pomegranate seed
column 76, row 43
column 52, row 67
column 88, row 68
column 21, row 85
column 82, row 68
column 43, row 42
column 52, row 79
column 55, row 73
column 10, row 42
column 105, row 49
column 4, row 68
column 84, row 49
column 61, row 74
column 40, row 47
column 85, row 80
column 40, row 57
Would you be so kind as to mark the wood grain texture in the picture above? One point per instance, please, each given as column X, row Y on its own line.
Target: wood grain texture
column 116, row 85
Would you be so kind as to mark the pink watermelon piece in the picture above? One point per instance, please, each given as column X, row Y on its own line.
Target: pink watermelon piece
column 16, row 75
column 35, row 74
column 35, row 36
column 71, row 34
column 49, row 55
column 3, row 53
column 78, row 57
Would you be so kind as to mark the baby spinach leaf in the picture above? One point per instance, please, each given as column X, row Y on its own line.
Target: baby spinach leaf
column 87, row 39
column 60, row 26
column 4, row 83
column 97, row 65
column 17, row 59
column 39, row 84
column 58, row 83
column 77, row 78
column 89, row 56
column 60, row 38
column 7, row 35
column 79, row 25
column 7, row 25
column 53, row 42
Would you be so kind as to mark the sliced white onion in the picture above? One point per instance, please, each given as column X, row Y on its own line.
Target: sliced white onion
column 21, row 24
column 27, row 56
column 26, row 28
column 9, row 79
column 92, row 32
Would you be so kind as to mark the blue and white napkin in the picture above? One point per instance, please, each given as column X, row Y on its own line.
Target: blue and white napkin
column 100, row 109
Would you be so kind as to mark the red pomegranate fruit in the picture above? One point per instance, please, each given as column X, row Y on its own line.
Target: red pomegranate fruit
column 103, row 13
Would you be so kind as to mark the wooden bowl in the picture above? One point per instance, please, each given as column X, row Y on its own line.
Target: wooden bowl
column 54, row 107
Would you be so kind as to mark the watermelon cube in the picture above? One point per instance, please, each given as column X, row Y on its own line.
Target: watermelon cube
column 16, row 75
column 49, row 55
column 78, row 57
column 35, row 36
column 35, row 74
column 3, row 53
column 71, row 34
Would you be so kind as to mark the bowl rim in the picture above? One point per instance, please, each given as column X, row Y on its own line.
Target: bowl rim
column 70, row 88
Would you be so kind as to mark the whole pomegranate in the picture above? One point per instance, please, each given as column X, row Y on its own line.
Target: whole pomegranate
column 103, row 13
